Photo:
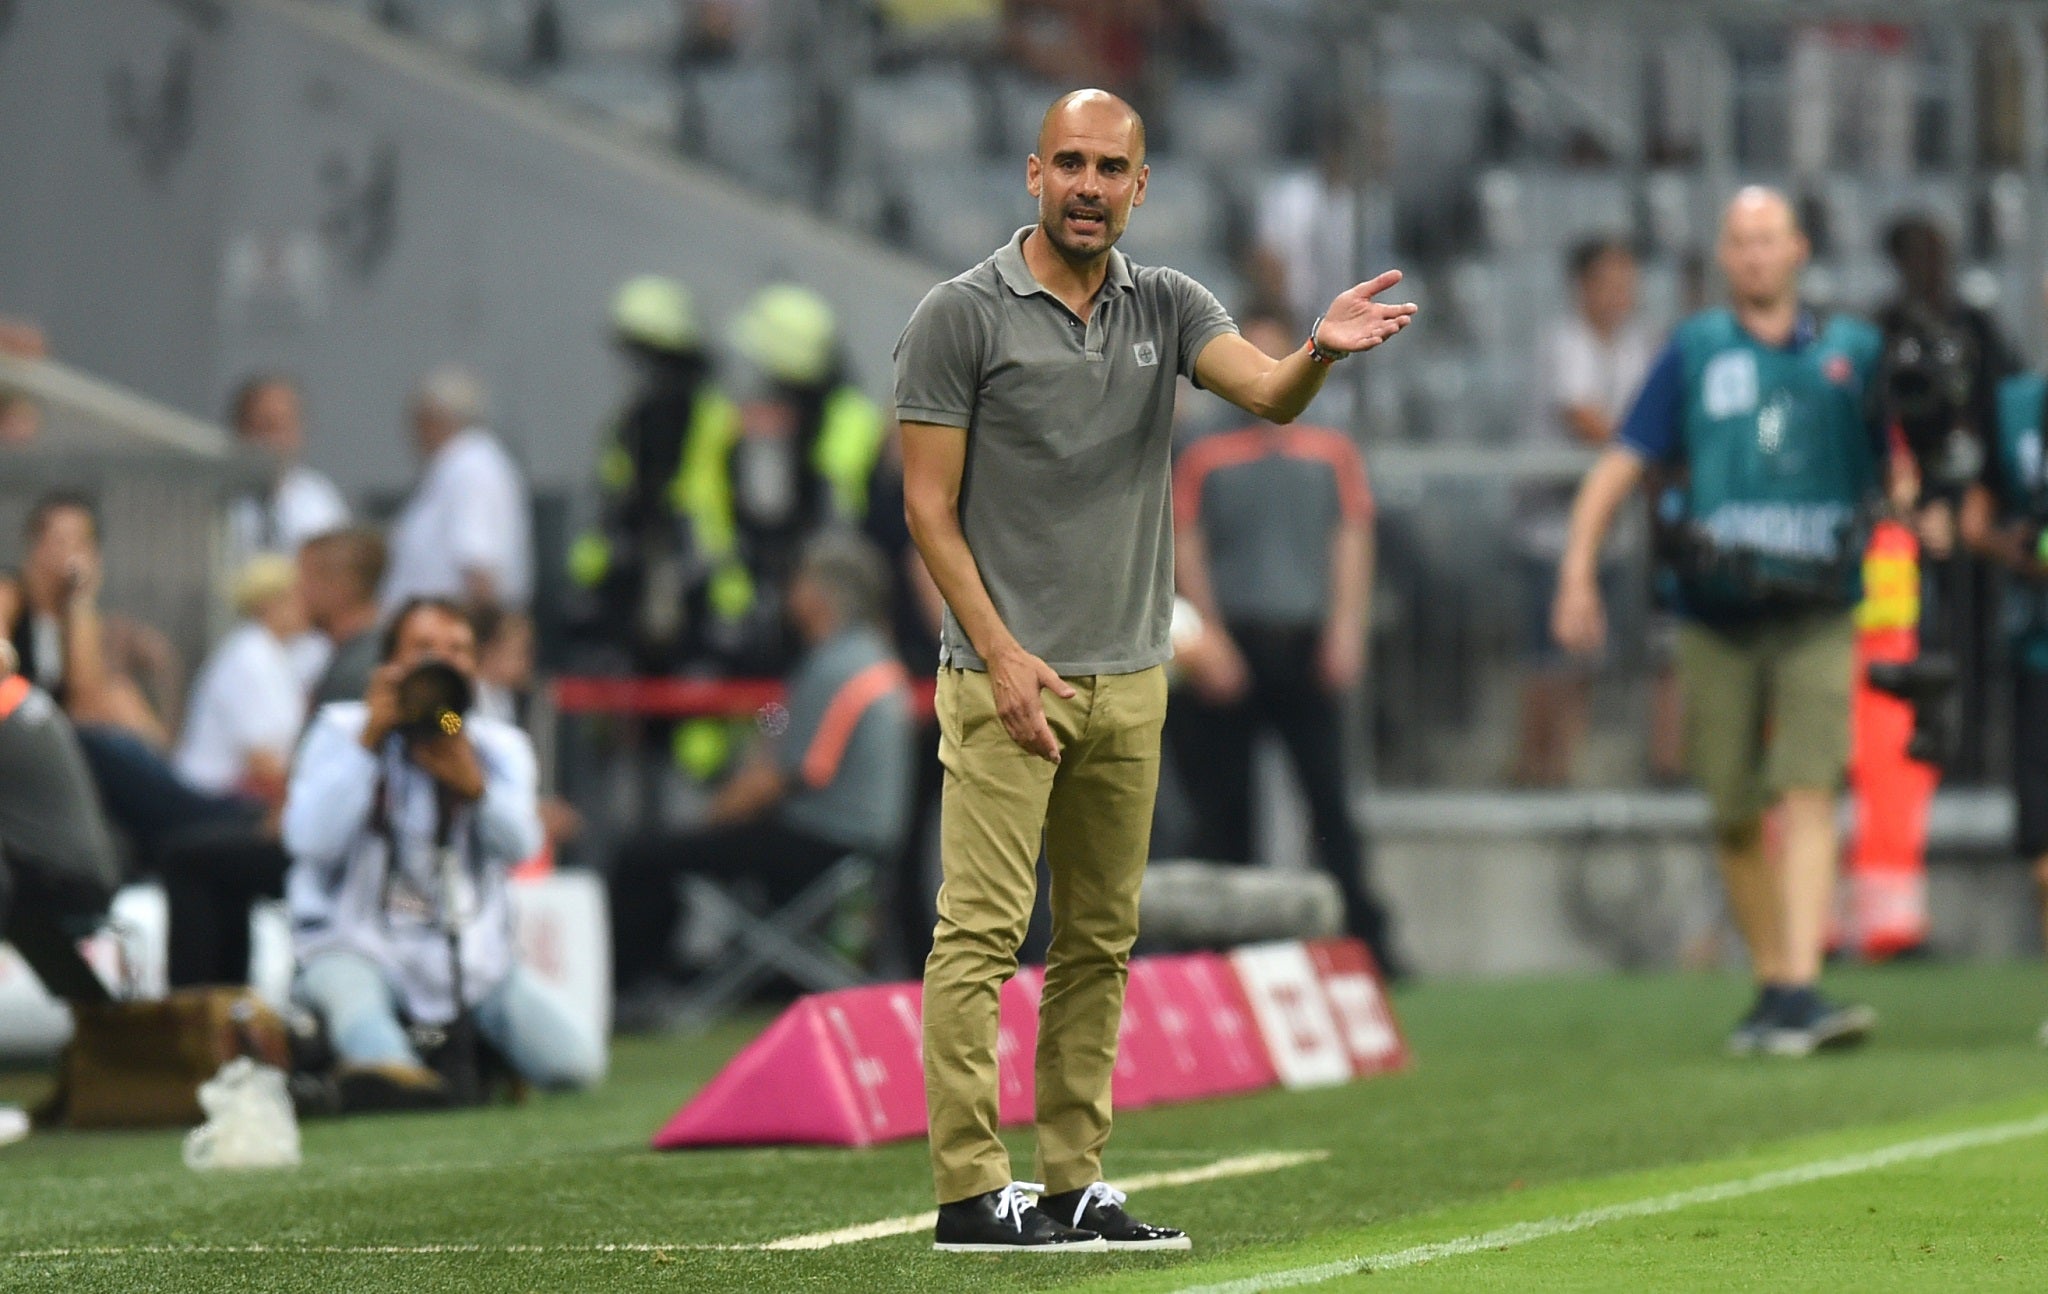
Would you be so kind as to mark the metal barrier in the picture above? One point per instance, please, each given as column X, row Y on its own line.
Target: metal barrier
column 159, row 481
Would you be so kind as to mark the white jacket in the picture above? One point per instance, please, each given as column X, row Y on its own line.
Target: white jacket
column 340, row 890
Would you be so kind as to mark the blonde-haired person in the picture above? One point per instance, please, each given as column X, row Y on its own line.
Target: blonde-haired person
column 249, row 702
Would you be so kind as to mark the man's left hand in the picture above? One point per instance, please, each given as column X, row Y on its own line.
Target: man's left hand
column 452, row 762
column 1355, row 322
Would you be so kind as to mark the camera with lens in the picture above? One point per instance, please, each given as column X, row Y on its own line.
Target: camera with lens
column 1929, row 386
column 432, row 698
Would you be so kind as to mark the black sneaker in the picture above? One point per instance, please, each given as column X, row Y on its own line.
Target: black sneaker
column 998, row 1222
column 1100, row 1208
column 1747, row 1038
column 1806, row 1022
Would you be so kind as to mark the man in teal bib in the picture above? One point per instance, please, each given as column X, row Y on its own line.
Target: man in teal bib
column 1764, row 414
column 2005, row 518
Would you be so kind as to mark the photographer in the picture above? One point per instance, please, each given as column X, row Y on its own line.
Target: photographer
column 1763, row 415
column 380, row 789
column 2005, row 519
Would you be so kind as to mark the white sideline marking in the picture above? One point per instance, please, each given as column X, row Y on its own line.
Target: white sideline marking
column 1241, row 1166
column 1521, row 1233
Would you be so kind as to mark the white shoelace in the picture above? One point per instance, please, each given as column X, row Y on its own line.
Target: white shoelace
column 1102, row 1192
column 1013, row 1199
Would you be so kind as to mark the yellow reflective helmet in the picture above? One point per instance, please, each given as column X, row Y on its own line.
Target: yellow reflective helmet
column 656, row 312
column 789, row 333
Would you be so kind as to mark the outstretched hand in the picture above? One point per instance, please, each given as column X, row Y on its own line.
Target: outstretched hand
column 1355, row 322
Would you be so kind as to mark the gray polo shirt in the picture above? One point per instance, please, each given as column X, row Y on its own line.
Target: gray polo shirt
column 848, row 748
column 1066, row 497
column 1268, row 501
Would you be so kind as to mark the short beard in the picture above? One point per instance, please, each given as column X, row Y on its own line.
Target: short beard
column 1055, row 236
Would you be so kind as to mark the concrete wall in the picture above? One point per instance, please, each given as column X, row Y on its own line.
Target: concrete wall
column 199, row 187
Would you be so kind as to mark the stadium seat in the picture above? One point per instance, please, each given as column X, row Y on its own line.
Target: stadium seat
column 640, row 98
column 744, row 119
column 620, row 29
column 1180, row 219
column 491, row 32
column 957, row 219
column 924, row 115
column 784, row 941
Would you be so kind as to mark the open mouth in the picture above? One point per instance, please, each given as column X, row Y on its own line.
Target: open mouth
column 1086, row 222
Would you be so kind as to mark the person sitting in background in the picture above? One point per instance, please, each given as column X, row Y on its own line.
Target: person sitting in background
column 833, row 776
column 50, row 613
column 504, row 681
column 1589, row 369
column 465, row 534
column 248, row 705
column 267, row 415
column 338, row 578
column 58, row 870
column 1273, row 539
column 374, row 799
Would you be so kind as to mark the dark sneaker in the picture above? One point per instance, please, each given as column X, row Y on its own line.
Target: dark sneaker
column 1747, row 1038
column 1100, row 1208
column 1806, row 1022
column 999, row 1222
column 382, row 1088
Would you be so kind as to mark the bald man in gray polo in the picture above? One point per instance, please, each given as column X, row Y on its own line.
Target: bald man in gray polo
column 1036, row 395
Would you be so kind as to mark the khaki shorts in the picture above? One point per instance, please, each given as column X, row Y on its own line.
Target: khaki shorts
column 1766, row 709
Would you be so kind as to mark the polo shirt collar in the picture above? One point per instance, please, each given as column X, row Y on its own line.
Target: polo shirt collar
column 1018, row 277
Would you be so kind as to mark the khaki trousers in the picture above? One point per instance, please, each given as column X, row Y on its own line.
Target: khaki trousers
column 1093, row 813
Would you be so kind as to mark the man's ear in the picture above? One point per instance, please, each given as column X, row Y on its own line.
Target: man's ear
column 1138, row 195
column 1034, row 170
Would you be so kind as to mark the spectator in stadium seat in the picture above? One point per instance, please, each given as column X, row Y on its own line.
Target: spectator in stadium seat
column 370, row 797
column 1762, row 416
column 50, row 613
column 465, row 534
column 1273, row 546
column 1589, row 369
column 247, row 704
column 267, row 414
column 832, row 777
column 338, row 578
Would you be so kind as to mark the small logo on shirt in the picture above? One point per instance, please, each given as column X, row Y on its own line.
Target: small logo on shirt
column 1729, row 384
column 1147, row 353
column 1838, row 369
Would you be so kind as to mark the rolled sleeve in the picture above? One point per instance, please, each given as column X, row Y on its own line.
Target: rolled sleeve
column 939, row 359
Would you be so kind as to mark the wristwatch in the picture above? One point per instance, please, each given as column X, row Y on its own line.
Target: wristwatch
column 1317, row 352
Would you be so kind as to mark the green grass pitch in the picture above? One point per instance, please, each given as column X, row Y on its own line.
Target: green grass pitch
column 1531, row 1102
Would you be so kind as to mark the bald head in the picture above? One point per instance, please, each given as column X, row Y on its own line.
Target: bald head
column 1088, row 173
column 1762, row 248
column 1095, row 113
